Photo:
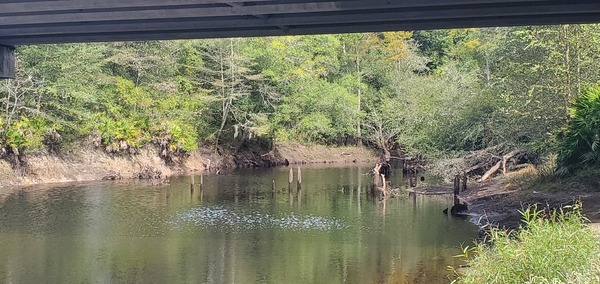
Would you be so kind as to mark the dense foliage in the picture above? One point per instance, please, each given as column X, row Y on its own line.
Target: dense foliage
column 425, row 92
column 579, row 142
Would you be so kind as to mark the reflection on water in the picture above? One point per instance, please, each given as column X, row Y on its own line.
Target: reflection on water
column 234, row 231
column 225, row 219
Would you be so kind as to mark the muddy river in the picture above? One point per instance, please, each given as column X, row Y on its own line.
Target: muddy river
column 233, row 231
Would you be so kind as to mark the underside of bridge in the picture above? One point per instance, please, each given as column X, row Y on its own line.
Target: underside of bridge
column 58, row 21
column 52, row 21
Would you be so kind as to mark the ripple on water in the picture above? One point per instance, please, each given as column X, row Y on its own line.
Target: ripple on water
column 223, row 218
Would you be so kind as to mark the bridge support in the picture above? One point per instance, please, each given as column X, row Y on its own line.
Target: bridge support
column 7, row 62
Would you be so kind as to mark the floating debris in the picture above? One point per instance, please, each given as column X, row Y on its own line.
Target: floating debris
column 220, row 217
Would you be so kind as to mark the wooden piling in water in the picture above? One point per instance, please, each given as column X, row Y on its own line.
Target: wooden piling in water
column 201, row 182
column 456, row 184
column 299, row 185
column 290, row 180
column 192, row 184
column 464, row 182
column 413, row 181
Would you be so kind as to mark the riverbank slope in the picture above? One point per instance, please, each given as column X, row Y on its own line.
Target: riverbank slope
column 499, row 200
column 88, row 163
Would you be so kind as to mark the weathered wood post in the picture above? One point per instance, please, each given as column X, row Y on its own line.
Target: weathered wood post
column 299, row 189
column 464, row 182
column 200, row 187
column 456, row 184
column 413, row 181
column 290, row 180
column 192, row 183
column 201, row 195
column 383, row 187
column 377, row 182
column 299, row 185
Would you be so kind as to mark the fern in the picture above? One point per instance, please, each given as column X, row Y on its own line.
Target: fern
column 579, row 142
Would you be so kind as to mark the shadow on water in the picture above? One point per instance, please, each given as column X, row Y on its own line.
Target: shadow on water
column 243, row 227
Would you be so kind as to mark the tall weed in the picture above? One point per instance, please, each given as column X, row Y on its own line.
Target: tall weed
column 553, row 246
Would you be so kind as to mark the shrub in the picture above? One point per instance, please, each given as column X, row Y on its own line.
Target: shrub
column 176, row 136
column 26, row 133
column 124, row 135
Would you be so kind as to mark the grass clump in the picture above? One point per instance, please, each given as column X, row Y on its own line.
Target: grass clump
column 553, row 246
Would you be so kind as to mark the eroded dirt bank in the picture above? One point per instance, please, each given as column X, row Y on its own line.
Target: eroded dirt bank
column 87, row 163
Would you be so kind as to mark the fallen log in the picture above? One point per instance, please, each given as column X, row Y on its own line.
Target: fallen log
column 491, row 171
column 489, row 163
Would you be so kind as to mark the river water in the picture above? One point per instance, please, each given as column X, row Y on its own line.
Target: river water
column 234, row 231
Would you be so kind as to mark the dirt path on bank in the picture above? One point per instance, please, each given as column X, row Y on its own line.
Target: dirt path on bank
column 501, row 205
column 498, row 202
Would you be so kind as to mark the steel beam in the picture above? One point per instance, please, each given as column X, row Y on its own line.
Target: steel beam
column 301, row 20
column 306, row 30
column 165, row 13
column 62, row 21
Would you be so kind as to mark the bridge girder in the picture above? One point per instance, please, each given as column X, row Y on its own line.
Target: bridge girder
column 62, row 21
